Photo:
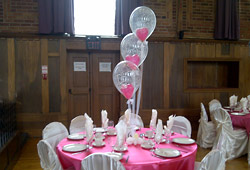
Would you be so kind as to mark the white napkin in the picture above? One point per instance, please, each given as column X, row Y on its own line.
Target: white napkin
column 104, row 119
column 233, row 100
column 153, row 118
column 243, row 103
column 248, row 98
column 170, row 122
column 127, row 115
column 158, row 130
column 134, row 140
column 88, row 127
column 121, row 128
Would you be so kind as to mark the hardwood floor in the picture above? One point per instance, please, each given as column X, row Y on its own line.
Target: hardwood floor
column 29, row 159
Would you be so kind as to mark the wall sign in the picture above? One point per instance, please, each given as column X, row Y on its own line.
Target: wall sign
column 79, row 66
column 105, row 67
column 93, row 42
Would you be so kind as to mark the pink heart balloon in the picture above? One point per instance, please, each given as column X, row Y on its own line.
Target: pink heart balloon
column 127, row 90
column 142, row 33
column 134, row 59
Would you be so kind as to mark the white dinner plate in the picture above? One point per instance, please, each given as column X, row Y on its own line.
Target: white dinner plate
column 167, row 152
column 99, row 129
column 102, row 144
column 115, row 155
column 227, row 107
column 76, row 147
column 120, row 149
column 76, row 136
column 111, row 133
column 238, row 114
column 147, row 145
column 183, row 140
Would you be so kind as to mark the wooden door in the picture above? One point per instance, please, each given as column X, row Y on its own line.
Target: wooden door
column 78, row 84
column 91, row 87
column 104, row 94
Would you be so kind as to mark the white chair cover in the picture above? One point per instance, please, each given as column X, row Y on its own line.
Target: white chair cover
column 138, row 119
column 213, row 105
column 54, row 132
column 98, row 161
column 232, row 143
column 214, row 160
column 206, row 132
column 48, row 157
column 77, row 124
column 182, row 125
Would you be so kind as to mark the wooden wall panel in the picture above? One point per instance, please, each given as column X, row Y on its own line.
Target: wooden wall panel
column 54, row 84
column 28, row 76
column 176, row 80
column 11, row 69
column 202, row 50
column 3, row 69
column 153, row 91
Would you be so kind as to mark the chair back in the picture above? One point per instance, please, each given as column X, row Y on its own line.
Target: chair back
column 48, row 157
column 98, row 161
column 77, row 124
column 138, row 119
column 223, row 119
column 203, row 113
column 182, row 125
column 213, row 105
column 54, row 132
column 214, row 160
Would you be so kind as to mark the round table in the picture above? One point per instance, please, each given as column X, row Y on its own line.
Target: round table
column 139, row 158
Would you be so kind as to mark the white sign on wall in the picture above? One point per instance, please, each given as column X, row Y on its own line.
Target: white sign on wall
column 105, row 67
column 79, row 66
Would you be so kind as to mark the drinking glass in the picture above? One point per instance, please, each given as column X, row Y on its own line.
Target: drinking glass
column 167, row 135
column 110, row 124
column 158, row 139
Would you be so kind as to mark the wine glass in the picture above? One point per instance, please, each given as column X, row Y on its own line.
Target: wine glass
column 167, row 135
column 158, row 139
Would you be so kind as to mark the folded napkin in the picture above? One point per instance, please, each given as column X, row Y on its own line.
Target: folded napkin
column 158, row 130
column 121, row 128
column 127, row 115
column 170, row 122
column 88, row 127
column 233, row 100
column 243, row 103
column 104, row 119
column 134, row 140
column 153, row 119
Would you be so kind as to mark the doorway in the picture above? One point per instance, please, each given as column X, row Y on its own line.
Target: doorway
column 90, row 85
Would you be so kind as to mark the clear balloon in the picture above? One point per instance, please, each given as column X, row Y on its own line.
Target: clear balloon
column 142, row 22
column 132, row 49
column 127, row 78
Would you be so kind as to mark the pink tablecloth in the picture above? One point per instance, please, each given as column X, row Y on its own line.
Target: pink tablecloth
column 139, row 159
column 241, row 122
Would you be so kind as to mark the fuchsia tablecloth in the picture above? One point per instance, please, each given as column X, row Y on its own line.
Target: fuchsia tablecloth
column 139, row 159
column 241, row 122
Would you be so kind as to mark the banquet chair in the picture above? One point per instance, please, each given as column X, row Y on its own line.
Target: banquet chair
column 206, row 132
column 213, row 105
column 54, row 132
column 48, row 157
column 182, row 125
column 77, row 124
column 138, row 119
column 214, row 160
column 98, row 161
column 232, row 142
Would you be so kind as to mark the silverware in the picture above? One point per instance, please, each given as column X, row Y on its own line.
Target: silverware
column 76, row 153
column 127, row 159
column 157, row 156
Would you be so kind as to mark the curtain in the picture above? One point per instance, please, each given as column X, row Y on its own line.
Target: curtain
column 122, row 13
column 227, row 20
column 56, row 16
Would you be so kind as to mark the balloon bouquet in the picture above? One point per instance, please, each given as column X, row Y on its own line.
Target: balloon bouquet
column 127, row 76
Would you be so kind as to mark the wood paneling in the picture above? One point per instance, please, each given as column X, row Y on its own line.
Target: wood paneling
column 45, row 82
column 153, row 91
column 28, row 76
column 11, row 69
column 4, row 69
